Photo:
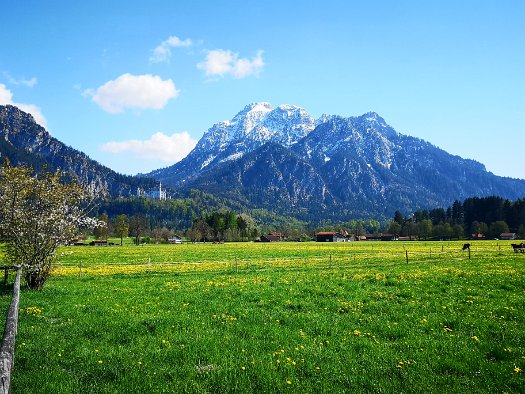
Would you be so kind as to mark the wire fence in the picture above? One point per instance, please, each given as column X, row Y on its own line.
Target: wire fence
column 312, row 258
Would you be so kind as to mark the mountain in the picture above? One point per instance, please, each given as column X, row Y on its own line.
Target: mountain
column 271, row 177
column 366, row 163
column 333, row 167
column 255, row 125
column 23, row 141
column 283, row 161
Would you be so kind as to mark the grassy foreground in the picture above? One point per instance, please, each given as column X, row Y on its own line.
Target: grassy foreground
column 276, row 318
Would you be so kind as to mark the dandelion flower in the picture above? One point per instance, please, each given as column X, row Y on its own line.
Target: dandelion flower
column 517, row 370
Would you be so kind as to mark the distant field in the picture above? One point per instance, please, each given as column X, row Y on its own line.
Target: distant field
column 298, row 317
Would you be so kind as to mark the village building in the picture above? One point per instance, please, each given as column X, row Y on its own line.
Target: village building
column 175, row 240
column 272, row 237
column 407, row 238
column 478, row 236
column 389, row 237
column 330, row 236
column 508, row 236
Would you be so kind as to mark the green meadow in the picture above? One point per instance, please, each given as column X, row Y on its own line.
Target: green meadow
column 283, row 317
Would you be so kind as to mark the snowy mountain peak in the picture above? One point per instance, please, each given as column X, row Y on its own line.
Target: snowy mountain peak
column 255, row 125
column 372, row 121
column 253, row 111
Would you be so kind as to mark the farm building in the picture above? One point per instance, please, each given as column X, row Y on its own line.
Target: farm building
column 99, row 242
column 478, row 236
column 330, row 236
column 272, row 237
column 507, row 236
column 175, row 240
column 389, row 237
column 407, row 238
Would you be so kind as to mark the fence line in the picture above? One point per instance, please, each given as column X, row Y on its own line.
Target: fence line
column 319, row 261
column 7, row 352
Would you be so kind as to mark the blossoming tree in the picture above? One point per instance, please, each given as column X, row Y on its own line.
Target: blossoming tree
column 37, row 214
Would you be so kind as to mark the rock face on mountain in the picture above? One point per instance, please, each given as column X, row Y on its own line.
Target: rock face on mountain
column 23, row 141
column 334, row 167
column 255, row 125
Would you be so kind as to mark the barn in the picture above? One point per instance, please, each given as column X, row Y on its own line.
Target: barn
column 508, row 236
column 272, row 237
column 329, row 236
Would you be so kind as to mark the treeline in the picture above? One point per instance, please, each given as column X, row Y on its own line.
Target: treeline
column 204, row 217
column 223, row 226
column 487, row 216
column 176, row 214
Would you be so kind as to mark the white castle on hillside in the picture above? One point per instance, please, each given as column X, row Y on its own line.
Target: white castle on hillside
column 154, row 194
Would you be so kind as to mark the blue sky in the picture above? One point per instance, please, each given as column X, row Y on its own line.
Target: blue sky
column 136, row 84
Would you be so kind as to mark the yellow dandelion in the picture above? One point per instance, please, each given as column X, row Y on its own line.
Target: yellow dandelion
column 288, row 382
column 100, row 361
column 474, row 338
column 517, row 370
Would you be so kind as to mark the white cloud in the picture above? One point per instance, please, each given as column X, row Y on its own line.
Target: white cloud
column 162, row 53
column 6, row 97
column 220, row 62
column 26, row 82
column 133, row 91
column 169, row 149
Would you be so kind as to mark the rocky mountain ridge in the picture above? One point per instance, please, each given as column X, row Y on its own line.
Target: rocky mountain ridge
column 342, row 167
column 23, row 141
column 284, row 161
column 255, row 125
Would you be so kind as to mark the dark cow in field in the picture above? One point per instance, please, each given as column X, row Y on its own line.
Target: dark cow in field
column 518, row 247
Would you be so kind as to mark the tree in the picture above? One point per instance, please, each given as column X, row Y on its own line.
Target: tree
column 398, row 218
column 37, row 214
column 458, row 231
column 521, row 231
column 200, row 230
column 165, row 234
column 137, row 227
column 121, row 227
column 425, row 228
column 101, row 232
column 394, row 228
column 497, row 228
column 479, row 227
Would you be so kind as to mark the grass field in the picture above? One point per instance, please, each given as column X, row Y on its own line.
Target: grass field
column 289, row 317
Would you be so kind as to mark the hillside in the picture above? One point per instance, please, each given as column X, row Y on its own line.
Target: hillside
column 24, row 142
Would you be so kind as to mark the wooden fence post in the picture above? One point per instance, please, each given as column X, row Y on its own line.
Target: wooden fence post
column 330, row 260
column 80, row 270
column 406, row 253
column 7, row 353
